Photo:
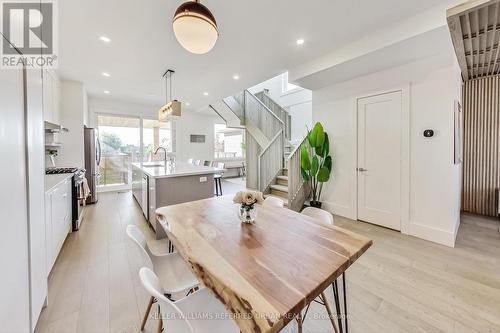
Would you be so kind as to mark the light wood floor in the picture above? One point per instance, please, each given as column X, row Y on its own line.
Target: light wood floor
column 402, row 284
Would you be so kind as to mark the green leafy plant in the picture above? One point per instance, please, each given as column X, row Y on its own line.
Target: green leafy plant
column 315, row 160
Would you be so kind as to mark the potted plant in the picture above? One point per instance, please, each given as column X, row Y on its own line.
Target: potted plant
column 316, row 162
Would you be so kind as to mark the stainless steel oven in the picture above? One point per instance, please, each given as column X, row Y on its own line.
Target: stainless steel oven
column 76, row 199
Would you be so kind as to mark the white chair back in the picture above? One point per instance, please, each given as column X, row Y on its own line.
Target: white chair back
column 190, row 161
column 318, row 214
column 172, row 316
column 197, row 162
column 137, row 237
column 273, row 202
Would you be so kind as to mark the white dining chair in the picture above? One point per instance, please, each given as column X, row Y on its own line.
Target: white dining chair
column 190, row 161
column 197, row 162
column 318, row 214
column 325, row 217
column 199, row 312
column 273, row 202
column 175, row 276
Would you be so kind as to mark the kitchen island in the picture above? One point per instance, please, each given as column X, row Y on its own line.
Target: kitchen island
column 154, row 185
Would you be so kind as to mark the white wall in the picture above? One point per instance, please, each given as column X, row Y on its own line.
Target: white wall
column 297, row 102
column 434, row 83
column 195, row 123
column 73, row 110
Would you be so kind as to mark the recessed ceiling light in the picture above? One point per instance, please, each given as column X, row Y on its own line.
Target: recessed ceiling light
column 151, row 95
column 105, row 39
column 236, row 77
column 205, row 93
column 106, row 91
column 187, row 104
column 300, row 41
column 106, row 74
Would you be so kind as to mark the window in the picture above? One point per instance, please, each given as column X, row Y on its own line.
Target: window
column 156, row 134
column 229, row 142
column 120, row 146
column 287, row 86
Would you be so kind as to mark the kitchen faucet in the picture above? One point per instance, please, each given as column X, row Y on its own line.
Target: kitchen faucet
column 164, row 156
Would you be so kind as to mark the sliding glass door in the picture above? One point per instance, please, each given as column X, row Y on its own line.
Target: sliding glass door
column 126, row 140
column 156, row 134
column 120, row 146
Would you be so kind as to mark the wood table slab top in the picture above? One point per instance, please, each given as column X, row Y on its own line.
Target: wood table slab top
column 264, row 273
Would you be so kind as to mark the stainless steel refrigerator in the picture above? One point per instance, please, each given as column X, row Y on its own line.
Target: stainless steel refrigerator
column 92, row 161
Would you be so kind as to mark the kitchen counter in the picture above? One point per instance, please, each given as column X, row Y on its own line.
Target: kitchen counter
column 179, row 169
column 154, row 186
column 52, row 181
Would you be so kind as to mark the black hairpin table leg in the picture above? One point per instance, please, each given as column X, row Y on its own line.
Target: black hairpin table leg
column 337, row 305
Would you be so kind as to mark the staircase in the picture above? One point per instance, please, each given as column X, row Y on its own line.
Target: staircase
column 280, row 188
column 269, row 153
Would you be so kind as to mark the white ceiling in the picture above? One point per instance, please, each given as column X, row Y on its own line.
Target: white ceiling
column 257, row 42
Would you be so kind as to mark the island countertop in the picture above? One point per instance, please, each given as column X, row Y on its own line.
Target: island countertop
column 178, row 169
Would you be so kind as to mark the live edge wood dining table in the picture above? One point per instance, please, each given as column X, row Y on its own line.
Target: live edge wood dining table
column 267, row 272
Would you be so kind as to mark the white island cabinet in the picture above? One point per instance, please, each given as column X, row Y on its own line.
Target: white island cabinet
column 57, row 215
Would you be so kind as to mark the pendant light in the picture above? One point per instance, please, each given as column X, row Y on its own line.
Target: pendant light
column 172, row 108
column 195, row 27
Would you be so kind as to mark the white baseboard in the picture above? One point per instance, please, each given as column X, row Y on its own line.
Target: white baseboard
column 340, row 210
column 440, row 236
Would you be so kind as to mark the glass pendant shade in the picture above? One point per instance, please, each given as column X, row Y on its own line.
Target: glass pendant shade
column 195, row 27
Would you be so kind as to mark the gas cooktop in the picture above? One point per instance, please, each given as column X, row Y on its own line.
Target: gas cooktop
column 53, row 171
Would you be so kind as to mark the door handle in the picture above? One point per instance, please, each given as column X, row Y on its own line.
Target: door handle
column 361, row 169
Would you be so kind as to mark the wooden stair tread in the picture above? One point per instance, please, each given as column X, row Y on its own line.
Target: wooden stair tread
column 282, row 177
column 281, row 188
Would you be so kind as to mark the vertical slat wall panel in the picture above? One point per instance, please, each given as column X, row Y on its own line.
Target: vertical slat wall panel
column 481, row 107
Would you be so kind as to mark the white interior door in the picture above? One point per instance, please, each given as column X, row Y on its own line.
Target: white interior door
column 379, row 159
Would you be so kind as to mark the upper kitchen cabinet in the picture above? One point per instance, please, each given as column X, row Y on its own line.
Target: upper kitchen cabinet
column 51, row 97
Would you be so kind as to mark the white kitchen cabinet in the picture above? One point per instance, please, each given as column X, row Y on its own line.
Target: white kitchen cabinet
column 51, row 97
column 57, row 220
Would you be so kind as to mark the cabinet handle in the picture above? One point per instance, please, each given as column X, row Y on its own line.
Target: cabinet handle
column 65, row 195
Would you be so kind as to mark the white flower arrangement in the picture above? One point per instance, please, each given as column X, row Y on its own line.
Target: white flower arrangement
column 247, row 201
column 248, row 198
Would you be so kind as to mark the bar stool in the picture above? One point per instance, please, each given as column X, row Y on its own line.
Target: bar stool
column 207, row 163
column 218, row 179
